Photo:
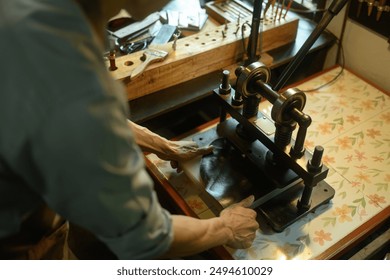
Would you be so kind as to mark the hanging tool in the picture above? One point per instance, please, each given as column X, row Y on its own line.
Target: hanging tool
column 381, row 6
column 277, row 10
column 359, row 8
column 288, row 8
column 281, row 10
column 269, row 3
column 370, row 5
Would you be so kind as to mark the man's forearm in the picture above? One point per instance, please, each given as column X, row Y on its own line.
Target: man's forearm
column 192, row 236
column 147, row 140
column 165, row 149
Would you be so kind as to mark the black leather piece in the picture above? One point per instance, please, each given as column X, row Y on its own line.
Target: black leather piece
column 228, row 176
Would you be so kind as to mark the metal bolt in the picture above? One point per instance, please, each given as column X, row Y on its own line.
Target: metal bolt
column 315, row 164
column 111, row 58
column 225, row 87
column 317, row 156
column 175, row 37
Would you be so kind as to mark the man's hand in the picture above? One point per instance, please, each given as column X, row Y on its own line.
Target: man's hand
column 241, row 220
column 174, row 151
column 235, row 227
column 178, row 151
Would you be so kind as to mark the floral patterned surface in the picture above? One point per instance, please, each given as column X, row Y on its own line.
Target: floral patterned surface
column 351, row 120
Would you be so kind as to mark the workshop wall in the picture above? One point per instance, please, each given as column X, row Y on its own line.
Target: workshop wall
column 367, row 53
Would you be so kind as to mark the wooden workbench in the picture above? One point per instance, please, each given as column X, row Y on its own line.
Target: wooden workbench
column 217, row 46
column 351, row 120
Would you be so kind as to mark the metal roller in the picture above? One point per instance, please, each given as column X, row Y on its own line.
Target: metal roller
column 249, row 75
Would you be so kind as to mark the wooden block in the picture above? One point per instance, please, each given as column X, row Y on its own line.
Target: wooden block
column 199, row 54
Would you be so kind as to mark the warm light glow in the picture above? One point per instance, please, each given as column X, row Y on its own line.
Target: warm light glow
column 280, row 256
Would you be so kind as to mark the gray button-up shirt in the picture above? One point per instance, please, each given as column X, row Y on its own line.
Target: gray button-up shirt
column 64, row 138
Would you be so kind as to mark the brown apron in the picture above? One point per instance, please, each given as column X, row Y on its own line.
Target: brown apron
column 43, row 236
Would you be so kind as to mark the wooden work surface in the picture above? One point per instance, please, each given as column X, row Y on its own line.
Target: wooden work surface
column 351, row 120
column 215, row 47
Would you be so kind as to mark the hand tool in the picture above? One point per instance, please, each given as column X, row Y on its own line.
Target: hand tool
column 164, row 35
column 139, row 45
column 153, row 53
column 151, row 56
column 136, row 28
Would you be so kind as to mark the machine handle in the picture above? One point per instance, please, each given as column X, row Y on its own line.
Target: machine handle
column 333, row 9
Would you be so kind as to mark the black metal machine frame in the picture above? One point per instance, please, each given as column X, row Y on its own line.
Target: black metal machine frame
column 296, row 174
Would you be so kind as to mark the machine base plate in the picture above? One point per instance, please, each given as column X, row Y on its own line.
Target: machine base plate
column 239, row 168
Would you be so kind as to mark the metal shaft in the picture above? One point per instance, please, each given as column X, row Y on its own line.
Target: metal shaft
column 266, row 91
column 333, row 10
column 252, row 44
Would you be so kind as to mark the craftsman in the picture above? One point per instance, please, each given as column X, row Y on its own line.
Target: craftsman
column 66, row 144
